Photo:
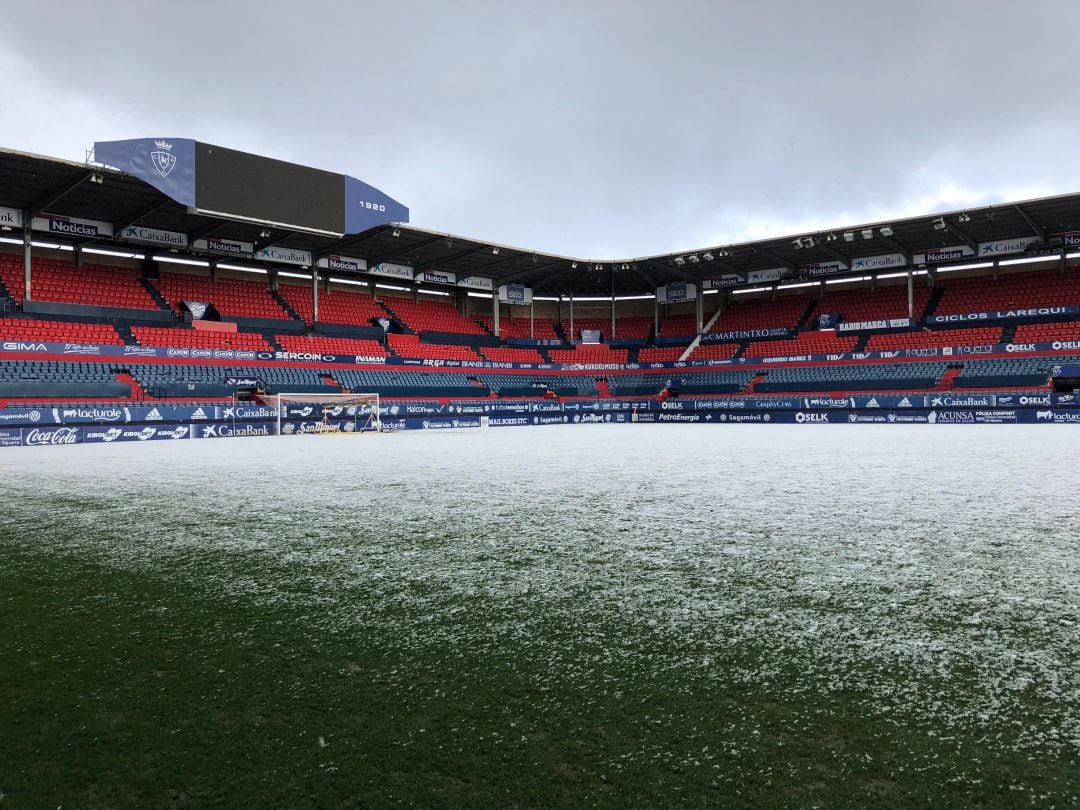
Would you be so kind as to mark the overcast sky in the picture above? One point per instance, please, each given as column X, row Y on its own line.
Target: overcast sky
column 593, row 129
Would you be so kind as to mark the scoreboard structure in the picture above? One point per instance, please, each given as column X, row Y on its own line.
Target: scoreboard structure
column 226, row 183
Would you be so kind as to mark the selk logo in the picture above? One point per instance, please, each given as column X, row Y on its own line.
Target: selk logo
column 163, row 158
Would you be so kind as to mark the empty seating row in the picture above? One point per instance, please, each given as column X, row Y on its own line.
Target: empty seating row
column 535, row 385
column 410, row 383
column 236, row 298
column 871, row 377
column 337, row 305
column 182, row 336
column 426, row 315
column 61, row 281
column 29, row 329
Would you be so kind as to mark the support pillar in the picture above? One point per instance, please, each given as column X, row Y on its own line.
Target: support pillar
column 570, row 337
column 314, row 296
column 699, row 309
column 910, row 294
column 495, row 312
column 532, row 319
column 28, row 239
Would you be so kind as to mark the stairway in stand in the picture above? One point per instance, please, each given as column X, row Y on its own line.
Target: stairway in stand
column 946, row 381
column 137, row 391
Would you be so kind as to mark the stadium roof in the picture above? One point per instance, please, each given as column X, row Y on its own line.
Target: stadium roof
column 36, row 184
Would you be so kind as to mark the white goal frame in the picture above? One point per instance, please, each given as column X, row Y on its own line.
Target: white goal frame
column 374, row 419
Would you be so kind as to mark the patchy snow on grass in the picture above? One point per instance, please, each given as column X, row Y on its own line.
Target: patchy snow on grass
column 933, row 572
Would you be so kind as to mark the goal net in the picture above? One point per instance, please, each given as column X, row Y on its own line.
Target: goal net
column 327, row 413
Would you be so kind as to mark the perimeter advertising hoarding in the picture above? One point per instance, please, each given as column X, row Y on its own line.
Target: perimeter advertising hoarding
column 1003, row 247
column 10, row 217
column 343, row 263
column 284, row 255
column 476, row 283
column 943, row 254
column 400, row 271
column 823, row 269
column 884, row 261
column 71, row 226
column 675, row 293
column 515, row 294
column 227, row 247
column 154, row 236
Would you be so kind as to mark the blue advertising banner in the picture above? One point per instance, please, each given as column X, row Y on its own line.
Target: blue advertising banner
column 167, row 164
column 366, row 207
column 745, row 334
column 1003, row 315
column 140, row 434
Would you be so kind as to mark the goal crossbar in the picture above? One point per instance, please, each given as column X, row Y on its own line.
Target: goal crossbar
column 333, row 410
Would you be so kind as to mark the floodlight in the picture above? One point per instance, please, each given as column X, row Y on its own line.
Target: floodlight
column 868, row 233
column 965, row 217
column 707, row 257
column 264, row 234
column 885, row 231
column 797, row 243
column 396, row 232
column 679, row 260
column 573, row 265
column 494, row 251
column 97, row 178
column 693, row 258
column 808, row 242
column 849, row 236
column 939, row 224
column 831, row 237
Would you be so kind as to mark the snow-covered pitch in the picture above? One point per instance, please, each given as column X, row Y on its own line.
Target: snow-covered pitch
column 895, row 562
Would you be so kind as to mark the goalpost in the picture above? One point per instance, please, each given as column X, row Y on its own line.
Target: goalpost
column 331, row 413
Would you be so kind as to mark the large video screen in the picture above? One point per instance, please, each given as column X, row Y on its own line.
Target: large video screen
column 243, row 185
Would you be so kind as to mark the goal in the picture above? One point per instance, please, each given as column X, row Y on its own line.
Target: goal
column 328, row 413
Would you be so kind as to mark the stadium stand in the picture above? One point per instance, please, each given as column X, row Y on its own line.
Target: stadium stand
column 1042, row 288
column 543, row 328
column 61, row 281
column 1019, row 372
column 849, row 378
column 531, row 385
column 189, row 380
column 708, row 382
column 629, row 328
column 339, row 305
column 661, row 354
column 411, row 346
column 427, row 315
column 504, row 354
column 714, row 351
column 58, row 331
column 804, row 343
column 233, row 298
column 927, row 339
column 857, row 305
column 680, row 325
column 332, row 345
column 1047, row 332
column 393, row 383
column 180, row 336
column 589, row 353
column 761, row 313
column 52, row 379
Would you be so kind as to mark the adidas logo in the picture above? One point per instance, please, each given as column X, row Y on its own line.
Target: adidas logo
column 154, row 415
column 199, row 414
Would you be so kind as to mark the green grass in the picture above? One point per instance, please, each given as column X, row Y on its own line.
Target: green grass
column 149, row 688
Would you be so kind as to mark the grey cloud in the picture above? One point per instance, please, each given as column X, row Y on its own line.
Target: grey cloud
column 602, row 129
